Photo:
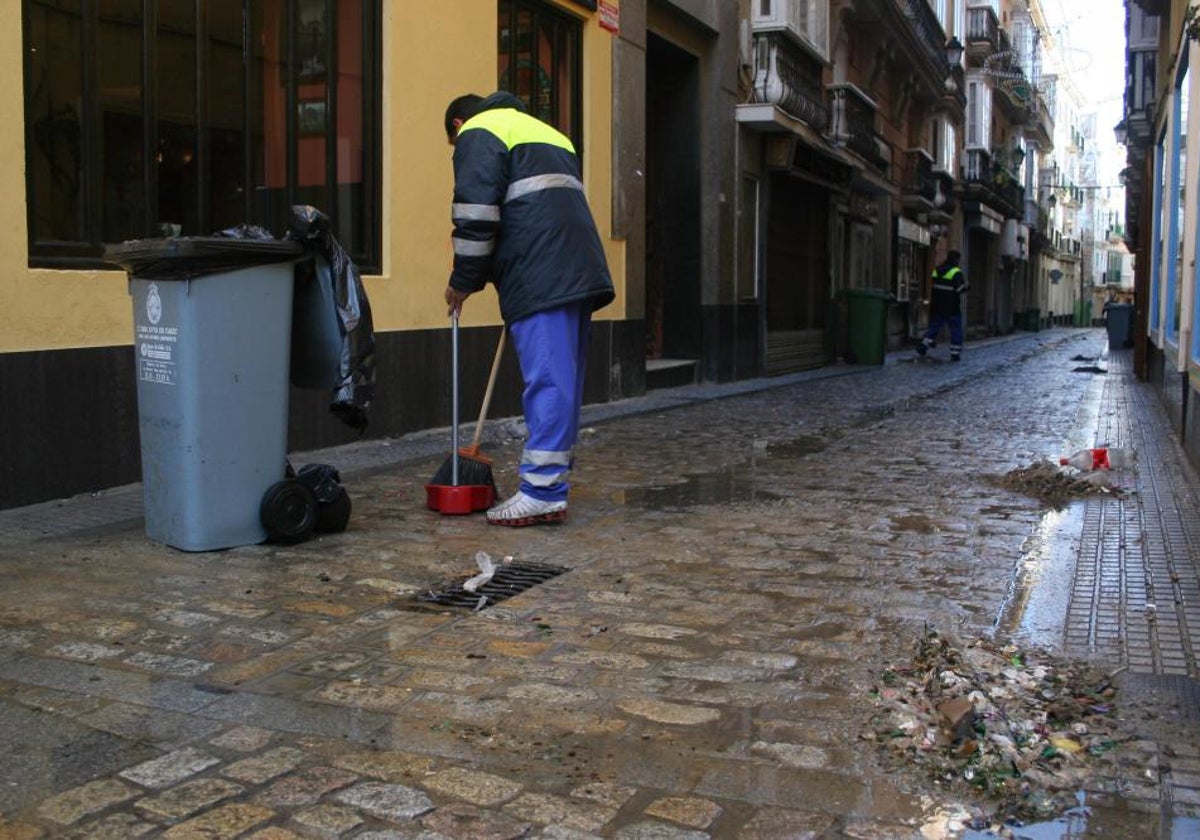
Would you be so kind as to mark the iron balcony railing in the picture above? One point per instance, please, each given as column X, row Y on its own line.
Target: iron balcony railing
column 1140, row 81
column 981, row 171
column 1041, row 113
column 983, row 28
column 978, row 166
column 927, row 27
column 788, row 77
column 853, row 122
column 919, row 180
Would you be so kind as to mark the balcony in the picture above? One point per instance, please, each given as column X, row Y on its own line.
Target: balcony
column 927, row 28
column 925, row 190
column 987, row 181
column 852, row 123
column 1035, row 217
column 1041, row 114
column 1139, row 95
column 919, row 184
column 787, row 77
column 983, row 34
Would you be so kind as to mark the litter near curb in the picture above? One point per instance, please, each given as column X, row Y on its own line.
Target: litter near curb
column 1017, row 733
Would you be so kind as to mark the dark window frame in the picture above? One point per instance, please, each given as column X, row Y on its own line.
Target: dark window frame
column 539, row 13
column 85, row 251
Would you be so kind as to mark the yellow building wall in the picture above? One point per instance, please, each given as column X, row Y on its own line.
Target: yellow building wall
column 432, row 53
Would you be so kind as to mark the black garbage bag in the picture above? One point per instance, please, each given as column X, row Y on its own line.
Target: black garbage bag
column 245, row 231
column 355, row 385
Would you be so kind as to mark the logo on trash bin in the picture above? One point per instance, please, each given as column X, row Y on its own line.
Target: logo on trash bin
column 153, row 304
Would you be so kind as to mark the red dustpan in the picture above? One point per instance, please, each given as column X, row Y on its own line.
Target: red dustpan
column 455, row 498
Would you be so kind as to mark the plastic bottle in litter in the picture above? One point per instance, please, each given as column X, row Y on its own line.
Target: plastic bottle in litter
column 1101, row 458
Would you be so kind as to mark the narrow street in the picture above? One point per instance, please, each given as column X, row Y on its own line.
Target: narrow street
column 741, row 567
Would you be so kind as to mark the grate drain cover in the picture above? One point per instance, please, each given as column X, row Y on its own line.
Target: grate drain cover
column 510, row 579
column 1170, row 693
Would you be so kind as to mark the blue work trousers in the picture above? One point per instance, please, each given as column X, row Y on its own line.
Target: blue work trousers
column 552, row 349
column 936, row 322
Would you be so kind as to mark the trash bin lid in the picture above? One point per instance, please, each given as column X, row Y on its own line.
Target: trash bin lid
column 868, row 293
column 182, row 258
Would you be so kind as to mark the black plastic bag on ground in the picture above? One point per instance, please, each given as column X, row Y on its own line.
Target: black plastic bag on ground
column 355, row 386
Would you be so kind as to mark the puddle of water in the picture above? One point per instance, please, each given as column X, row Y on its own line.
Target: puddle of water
column 797, row 448
column 1114, row 819
column 732, row 484
column 917, row 523
column 723, row 487
column 1036, row 608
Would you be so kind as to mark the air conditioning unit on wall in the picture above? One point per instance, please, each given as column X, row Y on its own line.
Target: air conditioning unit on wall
column 804, row 21
column 778, row 15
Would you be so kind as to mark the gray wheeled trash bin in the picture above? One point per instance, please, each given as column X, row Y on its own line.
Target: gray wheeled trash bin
column 1119, row 321
column 212, row 322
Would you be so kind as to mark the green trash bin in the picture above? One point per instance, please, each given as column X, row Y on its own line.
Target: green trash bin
column 867, row 316
column 1033, row 320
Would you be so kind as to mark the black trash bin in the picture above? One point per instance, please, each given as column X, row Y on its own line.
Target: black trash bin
column 212, row 326
column 1119, row 321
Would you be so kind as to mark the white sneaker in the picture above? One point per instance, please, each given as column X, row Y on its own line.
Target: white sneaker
column 520, row 509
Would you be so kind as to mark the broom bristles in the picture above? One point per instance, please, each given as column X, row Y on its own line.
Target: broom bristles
column 473, row 470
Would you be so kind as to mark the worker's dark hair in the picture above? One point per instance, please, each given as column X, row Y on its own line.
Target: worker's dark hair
column 953, row 256
column 461, row 108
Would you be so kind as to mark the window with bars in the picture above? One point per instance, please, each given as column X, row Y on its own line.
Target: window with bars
column 151, row 117
column 540, row 63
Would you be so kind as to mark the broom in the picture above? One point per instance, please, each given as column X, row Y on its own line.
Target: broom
column 473, row 467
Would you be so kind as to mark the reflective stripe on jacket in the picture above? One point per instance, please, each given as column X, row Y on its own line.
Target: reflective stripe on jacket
column 521, row 219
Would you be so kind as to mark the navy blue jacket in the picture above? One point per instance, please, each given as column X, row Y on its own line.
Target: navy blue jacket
column 521, row 219
column 949, row 282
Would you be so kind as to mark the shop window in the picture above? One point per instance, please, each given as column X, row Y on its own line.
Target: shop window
column 151, row 117
column 540, row 63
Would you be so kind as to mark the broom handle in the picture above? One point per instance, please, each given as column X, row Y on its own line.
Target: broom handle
column 454, row 400
column 487, row 394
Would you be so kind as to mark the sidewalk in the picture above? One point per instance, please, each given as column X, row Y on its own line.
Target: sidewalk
column 121, row 506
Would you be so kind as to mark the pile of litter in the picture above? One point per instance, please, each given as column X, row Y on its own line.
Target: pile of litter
column 1014, row 733
column 1053, row 485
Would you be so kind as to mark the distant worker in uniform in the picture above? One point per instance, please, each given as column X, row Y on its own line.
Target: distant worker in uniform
column 949, row 287
column 522, row 222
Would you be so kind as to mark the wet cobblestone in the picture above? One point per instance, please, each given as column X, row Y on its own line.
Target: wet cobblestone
column 739, row 568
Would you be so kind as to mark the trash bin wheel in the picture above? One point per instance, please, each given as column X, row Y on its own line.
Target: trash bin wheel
column 333, row 515
column 288, row 512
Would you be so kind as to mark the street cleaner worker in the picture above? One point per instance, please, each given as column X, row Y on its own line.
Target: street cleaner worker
column 949, row 286
column 522, row 222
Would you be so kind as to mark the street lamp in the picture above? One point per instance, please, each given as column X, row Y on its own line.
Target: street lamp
column 1018, row 156
column 954, row 51
column 1122, row 132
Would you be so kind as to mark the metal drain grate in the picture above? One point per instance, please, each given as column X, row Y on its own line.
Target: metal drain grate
column 1173, row 695
column 510, row 579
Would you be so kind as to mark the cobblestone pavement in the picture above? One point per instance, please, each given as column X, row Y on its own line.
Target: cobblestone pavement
column 737, row 572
